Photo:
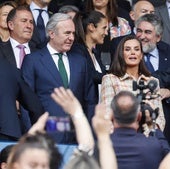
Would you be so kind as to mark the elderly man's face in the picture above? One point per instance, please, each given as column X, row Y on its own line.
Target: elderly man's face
column 141, row 8
column 147, row 34
column 63, row 37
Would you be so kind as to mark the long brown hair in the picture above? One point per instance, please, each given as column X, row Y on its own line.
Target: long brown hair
column 118, row 66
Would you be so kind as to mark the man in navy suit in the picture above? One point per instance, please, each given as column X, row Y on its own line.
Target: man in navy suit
column 134, row 150
column 20, row 25
column 42, row 71
column 149, row 30
column 12, row 88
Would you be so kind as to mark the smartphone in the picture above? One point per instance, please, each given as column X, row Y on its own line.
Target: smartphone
column 58, row 124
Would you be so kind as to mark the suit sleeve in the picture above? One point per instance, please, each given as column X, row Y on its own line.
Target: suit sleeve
column 28, row 99
column 162, row 140
column 90, row 95
column 27, row 70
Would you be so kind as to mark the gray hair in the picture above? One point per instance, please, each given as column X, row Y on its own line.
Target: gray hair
column 54, row 20
column 68, row 8
column 154, row 20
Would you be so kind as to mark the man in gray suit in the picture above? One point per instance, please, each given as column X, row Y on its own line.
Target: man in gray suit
column 164, row 13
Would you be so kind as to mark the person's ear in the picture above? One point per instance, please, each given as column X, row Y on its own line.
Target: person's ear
column 91, row 27
column 10, row 25
column 158, row 38
column 139, row 116
column 3, row 165
column 132, row 15
column 51, row 34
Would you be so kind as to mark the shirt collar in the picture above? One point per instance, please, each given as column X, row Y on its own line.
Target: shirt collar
column 34, row 6
column 128, row 76
column 155, row 53
column 53, row 51
column 14, row 43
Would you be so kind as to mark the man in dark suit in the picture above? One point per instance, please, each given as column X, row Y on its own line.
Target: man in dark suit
column 164, row 13
column 41, row 15
column 54, row 66
column 12, row 88
column 134, row 150
column 149, row 30
column 20, row 25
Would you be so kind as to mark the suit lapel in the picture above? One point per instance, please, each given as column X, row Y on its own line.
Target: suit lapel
column 163, row 59
column 73, row 66
column 8, row 53
column 49, row 64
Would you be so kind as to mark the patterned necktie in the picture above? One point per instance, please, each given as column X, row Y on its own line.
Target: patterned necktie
column 62, row 70
column 148, row 63
column 21, row 54
column 41, row 26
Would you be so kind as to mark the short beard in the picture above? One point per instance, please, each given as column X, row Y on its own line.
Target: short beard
column 148, row 47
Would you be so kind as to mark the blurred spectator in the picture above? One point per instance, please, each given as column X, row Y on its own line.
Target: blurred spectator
column 69, row 9
column 82, row 158
column 117, row 26
column 141, row 8
column 4, row 154
column 165, row 162
column 134, row 150
column 54, row 5
column 154, row 2
column 5, row 8
column 41, row 15
column 164, row 13
column 34, row 151
column 23, row 2
column 125, row 4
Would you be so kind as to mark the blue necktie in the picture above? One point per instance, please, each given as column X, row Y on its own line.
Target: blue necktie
column 62, row 70
column 148, row 63
column 41, row 26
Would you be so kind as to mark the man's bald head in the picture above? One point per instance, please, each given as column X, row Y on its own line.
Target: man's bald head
column 141, row 8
